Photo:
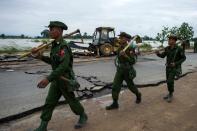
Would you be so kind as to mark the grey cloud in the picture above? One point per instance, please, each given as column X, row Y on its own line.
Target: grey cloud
column 144, row 17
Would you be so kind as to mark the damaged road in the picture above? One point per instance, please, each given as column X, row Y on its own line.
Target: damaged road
column 153, row 114
column 18, row 92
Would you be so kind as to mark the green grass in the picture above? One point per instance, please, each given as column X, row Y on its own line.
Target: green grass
column 11, row 49
column 40, row 40
column 146, row 47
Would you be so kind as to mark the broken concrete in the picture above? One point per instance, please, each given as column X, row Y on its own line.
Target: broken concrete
column 19, row 88
column 153, row 114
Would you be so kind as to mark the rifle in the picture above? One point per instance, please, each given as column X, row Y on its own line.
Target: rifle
column 46, row 45
column 136, row 38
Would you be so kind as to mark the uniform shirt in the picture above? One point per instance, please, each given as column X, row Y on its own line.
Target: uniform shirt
column 61, row 59
column 175, row 55
column 126, row 60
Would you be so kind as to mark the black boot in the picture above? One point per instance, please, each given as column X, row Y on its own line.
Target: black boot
column 138, row 98
column 43, row 126
column 82, row 121
column 114, row 105
column 170, row 97
column 166, row 97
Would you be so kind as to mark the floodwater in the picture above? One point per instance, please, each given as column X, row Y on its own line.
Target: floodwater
column 22, row 44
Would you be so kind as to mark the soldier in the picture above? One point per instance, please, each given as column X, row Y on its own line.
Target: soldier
column 61, row 60
column 195, row 45
column 183, row 44
column 125, row 71
column 175, row 57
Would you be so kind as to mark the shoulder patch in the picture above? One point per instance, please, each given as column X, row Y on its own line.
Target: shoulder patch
column 61, row 52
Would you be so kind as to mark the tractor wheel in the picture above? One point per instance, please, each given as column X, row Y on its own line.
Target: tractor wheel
column 106, row 49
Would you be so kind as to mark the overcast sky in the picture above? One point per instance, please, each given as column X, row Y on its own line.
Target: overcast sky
column 143, row 17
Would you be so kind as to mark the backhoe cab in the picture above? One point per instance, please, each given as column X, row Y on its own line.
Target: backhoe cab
column 103, row 43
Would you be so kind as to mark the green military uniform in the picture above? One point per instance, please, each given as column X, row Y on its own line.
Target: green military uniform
column 125, row 71
column 195, row 45
column 61, row 60
column 175, row 55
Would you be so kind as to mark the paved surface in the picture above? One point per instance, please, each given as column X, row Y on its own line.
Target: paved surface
column 153, row 114
column 18, row 92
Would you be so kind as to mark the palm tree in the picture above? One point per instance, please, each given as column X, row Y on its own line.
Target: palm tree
column 45, row 33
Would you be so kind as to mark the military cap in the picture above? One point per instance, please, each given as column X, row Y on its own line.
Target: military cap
column 123, row 34
column 58, row 24
column 173, row 37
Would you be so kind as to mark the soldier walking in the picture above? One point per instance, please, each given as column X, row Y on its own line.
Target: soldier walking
column 175, row 57
column 61, row 60
column 125, row 71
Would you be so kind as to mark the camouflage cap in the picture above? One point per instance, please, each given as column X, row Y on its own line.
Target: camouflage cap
column 123, row 34
column 58, row 24
column 173, row 37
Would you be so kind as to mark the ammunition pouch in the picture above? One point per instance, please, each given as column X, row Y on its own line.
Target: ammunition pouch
column 72, row 84
column 132, row 73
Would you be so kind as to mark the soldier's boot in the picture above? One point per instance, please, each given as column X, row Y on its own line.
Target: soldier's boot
column 43, row 126
column 166, row 97
column 82, row 121
column 169, row 100
column 138, row 98
column 114, row 105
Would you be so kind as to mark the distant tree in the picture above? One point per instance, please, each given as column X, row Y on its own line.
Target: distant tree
column 77, row 36
column 194, row 39
column 147, row 38
column 2, row 36
column 161, row 37
column 45, row 33
column 85, row 35
column 37, row 37
column 185, row 32
column 22, row 36
column 174, row 30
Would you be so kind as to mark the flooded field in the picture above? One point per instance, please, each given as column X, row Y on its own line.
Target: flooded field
column 25, row 44
column 22, row 43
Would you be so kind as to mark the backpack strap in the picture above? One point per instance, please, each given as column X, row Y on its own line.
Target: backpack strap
column 175, row 54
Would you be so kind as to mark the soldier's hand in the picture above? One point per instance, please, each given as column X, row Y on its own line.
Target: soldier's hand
column 43, row 83
column 156, row 52
column 172, row 64
column 122, row 53
column 132, row 53
column 36, row 54
column 34, row 50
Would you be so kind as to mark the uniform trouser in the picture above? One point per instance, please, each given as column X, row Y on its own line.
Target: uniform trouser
column 117, row 83
column 170, row 76
column 195, row 47
column 55, row 92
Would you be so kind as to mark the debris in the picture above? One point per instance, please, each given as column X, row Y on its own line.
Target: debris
column 12, row 58
column 10, row 70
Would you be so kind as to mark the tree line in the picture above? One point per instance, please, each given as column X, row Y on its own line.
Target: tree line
column 22, row 36
column 184, row 32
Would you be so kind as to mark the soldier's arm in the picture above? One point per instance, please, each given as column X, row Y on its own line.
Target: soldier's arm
column 182, row 57
column 46, row 59
column 39, row 55
column 60, row 70
column 130, row 58
column 163, row 54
